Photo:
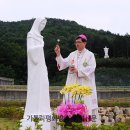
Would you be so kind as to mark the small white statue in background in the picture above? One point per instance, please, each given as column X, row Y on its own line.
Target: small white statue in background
column 106, row 52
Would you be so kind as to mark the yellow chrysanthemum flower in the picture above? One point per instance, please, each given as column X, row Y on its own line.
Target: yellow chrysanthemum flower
column 76, row 89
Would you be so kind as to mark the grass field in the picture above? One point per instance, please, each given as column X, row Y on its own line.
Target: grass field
column 7, row 124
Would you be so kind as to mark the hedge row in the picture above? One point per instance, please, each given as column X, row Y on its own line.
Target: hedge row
column 113, row 62
column 55, row 102
column 21, row 103
column 11, row 112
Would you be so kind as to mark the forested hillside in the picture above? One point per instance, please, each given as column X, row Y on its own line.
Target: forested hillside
column 13, row 56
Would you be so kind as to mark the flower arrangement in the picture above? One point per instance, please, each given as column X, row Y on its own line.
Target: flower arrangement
column 73, row 109
column 76, row 91
column 70, row 109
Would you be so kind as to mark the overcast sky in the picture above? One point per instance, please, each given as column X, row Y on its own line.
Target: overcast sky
column 111, row 15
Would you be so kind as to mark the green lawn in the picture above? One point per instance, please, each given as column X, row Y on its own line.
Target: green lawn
column 7, row 124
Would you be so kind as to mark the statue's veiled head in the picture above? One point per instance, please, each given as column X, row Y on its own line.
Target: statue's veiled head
column 38, row 25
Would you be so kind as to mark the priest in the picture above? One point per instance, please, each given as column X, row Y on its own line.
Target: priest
column 81, row 66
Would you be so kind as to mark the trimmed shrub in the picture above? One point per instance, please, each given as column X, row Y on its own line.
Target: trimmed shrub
column 14, row 103
column 11, row 113
column 113, row 62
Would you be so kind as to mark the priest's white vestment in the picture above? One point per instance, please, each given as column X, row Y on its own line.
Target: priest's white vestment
column 85, row 63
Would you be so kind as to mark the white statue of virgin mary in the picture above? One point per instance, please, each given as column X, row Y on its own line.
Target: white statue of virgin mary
column 38, row 100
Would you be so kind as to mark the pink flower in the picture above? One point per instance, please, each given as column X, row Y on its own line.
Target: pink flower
column 70, row 109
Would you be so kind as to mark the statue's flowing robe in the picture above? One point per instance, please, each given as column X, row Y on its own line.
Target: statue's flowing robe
column 38, row 99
